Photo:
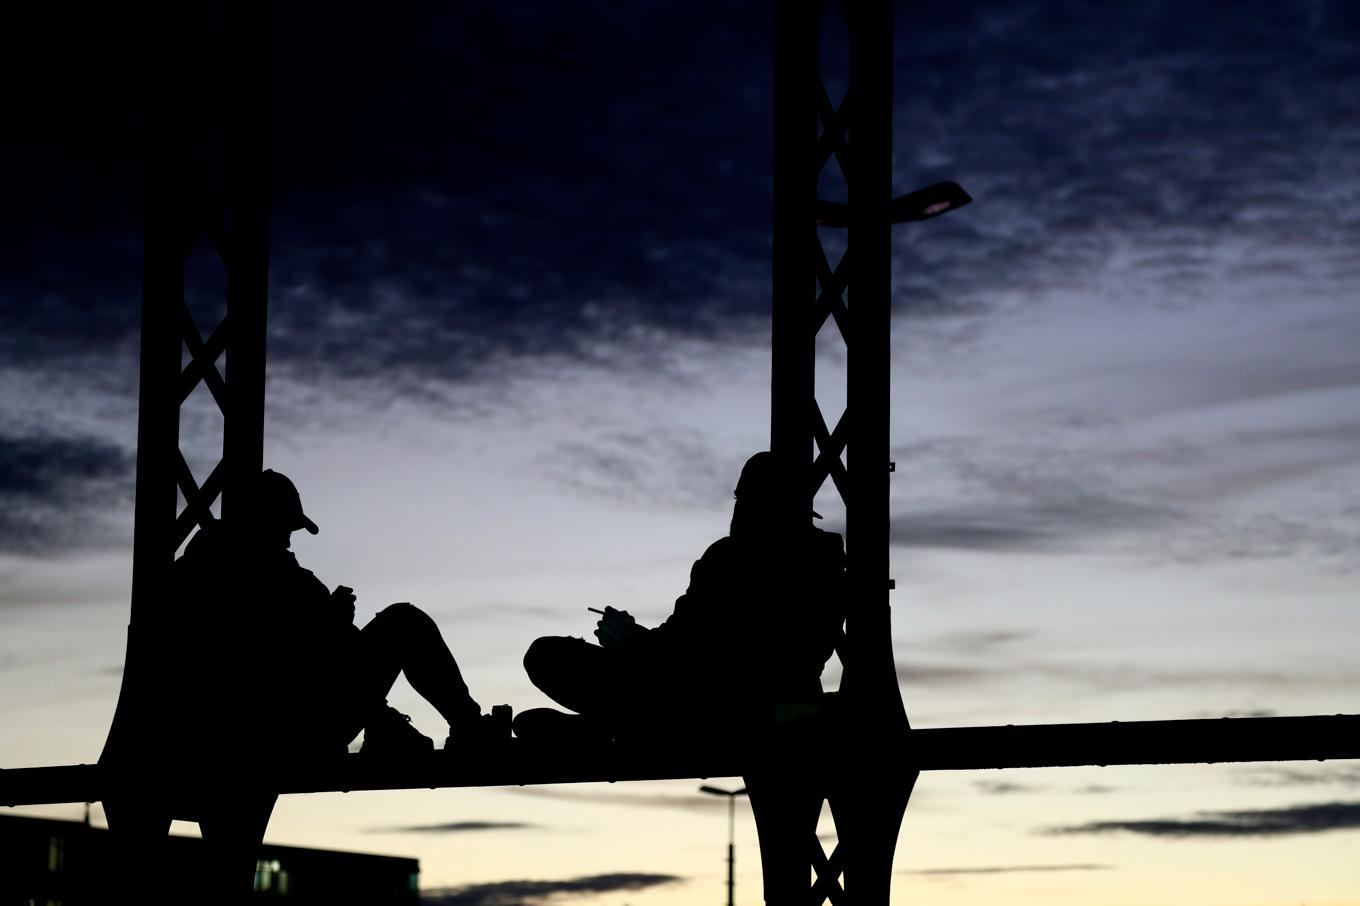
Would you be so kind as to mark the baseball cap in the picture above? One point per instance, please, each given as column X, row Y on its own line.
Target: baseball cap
column 765, row 478
column 275, row 495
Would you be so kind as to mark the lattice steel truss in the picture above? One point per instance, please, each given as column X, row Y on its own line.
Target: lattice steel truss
column 194, row 196
column 867, row 793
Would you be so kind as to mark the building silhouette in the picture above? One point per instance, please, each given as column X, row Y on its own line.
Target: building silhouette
column 45, row 862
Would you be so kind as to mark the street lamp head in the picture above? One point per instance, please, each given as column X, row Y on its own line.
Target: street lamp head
column 932, row 201
column 923, row 204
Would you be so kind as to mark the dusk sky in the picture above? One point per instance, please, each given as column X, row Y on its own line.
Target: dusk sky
column 519, row 349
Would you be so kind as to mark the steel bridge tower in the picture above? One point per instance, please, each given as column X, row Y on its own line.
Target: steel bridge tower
column 207, row 142
column 858, row 762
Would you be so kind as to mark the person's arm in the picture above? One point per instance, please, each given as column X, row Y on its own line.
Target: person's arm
column 706, row 580
column 316, row 605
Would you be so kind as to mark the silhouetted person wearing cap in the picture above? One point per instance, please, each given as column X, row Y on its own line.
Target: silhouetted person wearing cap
column 754, row 629
column 278, row 651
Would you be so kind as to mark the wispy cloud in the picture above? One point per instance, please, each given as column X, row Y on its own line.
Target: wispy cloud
column 531, row 893
column 1288, row 821
column 454, row 827
column 1011, row 788
column 1006, row 787
column 682, row 801
column 502, row 609
column 926, row 667
column 1063, row 521
column 662, row 466
column 55, row 492
column 1244, row 712
column 917, row 674
column 1093, row 676
column 1181, row 123
column 981, row 659
column 1002, row 870
column 1342, row 775
column 1067, row 489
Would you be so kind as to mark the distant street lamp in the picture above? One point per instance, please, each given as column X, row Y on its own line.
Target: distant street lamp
column 731, row 836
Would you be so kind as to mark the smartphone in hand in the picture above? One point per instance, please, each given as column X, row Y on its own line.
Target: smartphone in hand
column 344, row 597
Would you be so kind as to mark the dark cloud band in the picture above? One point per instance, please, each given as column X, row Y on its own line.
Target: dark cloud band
column 530, row 893
column 1289, row 821
column 454, row 827
column 55, row 492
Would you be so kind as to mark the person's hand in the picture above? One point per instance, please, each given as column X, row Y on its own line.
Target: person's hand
column 616, row 628
column 343, row 599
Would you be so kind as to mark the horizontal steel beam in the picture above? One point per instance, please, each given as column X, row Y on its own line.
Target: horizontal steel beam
column 1207, row 741
column 945, row 749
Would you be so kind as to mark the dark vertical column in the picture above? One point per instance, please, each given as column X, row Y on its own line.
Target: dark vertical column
column 871, row 674
column 236, row 814
column 137, row 813
column 163, row 240
column 158, row 402
column 873, row 790
column 785, row 790
column 794, row 229
column 195, row 84
column 250, row 58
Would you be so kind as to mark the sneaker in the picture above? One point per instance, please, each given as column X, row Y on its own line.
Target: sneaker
column 488, row 730
column 390, row 733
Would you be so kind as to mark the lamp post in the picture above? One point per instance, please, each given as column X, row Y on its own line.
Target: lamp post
column 731, row 835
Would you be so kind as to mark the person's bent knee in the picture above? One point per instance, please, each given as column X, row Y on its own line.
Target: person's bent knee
column 535, row 657
column 401, row 607
column 548, row 656
column 403, row 612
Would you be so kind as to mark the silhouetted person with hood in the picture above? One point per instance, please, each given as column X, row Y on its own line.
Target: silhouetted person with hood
column 279, row 652
column 754, row 629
